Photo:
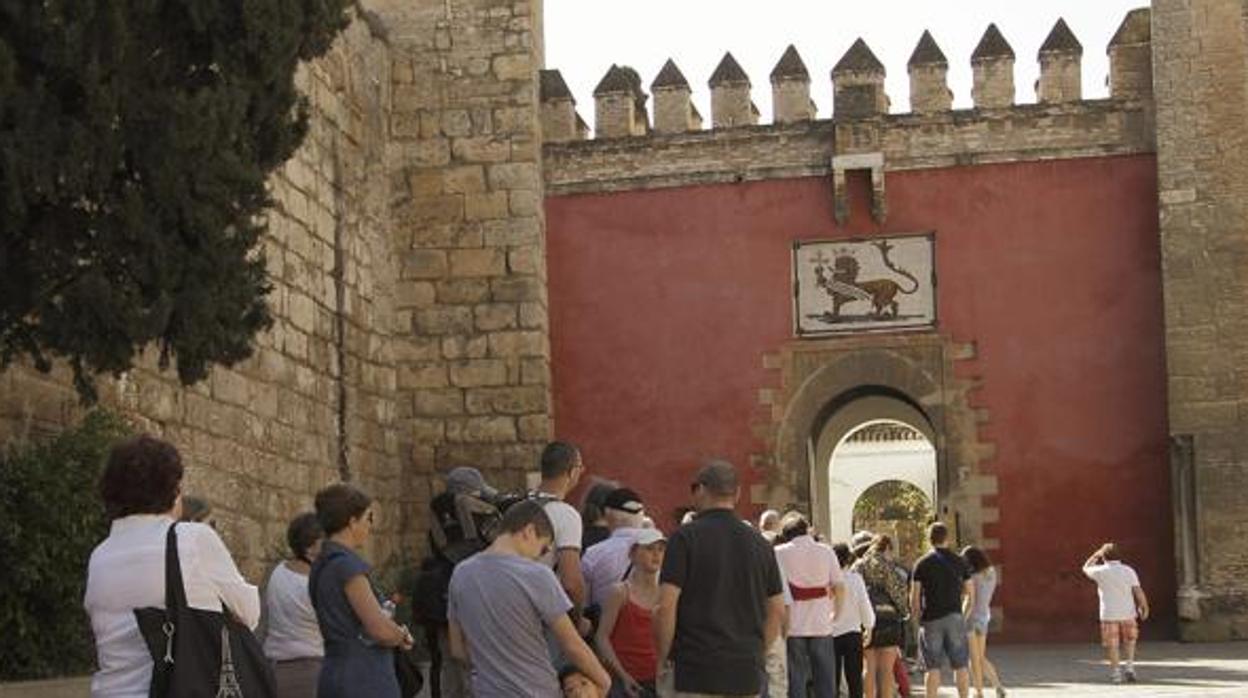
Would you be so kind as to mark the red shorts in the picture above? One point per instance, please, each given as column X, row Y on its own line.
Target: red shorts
column 1115, row 632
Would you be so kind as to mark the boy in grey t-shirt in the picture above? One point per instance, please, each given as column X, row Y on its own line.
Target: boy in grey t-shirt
column 502, row 601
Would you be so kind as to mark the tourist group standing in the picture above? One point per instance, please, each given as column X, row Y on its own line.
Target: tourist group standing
column 538, row 599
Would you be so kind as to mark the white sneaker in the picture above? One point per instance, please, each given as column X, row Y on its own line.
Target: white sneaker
column 1129, row 675
column 1116, row 677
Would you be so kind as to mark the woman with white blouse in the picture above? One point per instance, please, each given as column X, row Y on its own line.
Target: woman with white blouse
column 851, row 626
column 293, row 642
column 142, row 492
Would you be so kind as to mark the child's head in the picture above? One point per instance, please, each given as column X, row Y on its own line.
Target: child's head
column 577, row 685
column 1109, row 551
column 649, row 544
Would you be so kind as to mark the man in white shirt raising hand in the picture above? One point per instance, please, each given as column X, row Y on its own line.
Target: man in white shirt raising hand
column 1122, row 601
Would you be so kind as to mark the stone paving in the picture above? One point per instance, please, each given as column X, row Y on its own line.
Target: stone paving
column 1171, row 670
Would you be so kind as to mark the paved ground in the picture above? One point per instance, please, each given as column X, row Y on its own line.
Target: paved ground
column 1171, row 670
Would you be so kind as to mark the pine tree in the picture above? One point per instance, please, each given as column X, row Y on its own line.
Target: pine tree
column 136, row 137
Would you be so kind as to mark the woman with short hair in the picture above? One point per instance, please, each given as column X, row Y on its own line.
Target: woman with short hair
column 142, row 492
column 978, row 616
column 293, row 642
column 358, row 634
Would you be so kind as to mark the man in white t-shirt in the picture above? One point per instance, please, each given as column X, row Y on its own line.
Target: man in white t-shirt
column 1122, row 601
column 814, row 578
column 561, row 470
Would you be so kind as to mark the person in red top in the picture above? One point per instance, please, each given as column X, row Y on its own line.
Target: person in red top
column 625, row 637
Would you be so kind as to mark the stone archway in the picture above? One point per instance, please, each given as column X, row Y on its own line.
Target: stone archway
column 828, row 387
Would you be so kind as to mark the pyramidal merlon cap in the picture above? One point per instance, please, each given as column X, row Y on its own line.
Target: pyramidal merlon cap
column 858, row 59
column 669, row 76
column 992, row 45
column 615, row 81
column 1061, row 40
column 552, row 86
column 791, row 66
column 728, row 72
column 1136, row 28
column 927, row 52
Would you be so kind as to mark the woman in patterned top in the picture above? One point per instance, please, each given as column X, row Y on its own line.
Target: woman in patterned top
column 887, row 591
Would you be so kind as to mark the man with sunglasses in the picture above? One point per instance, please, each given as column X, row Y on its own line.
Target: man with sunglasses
column 720, row 598
column 503, row 602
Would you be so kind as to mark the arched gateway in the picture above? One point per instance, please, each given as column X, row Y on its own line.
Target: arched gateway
column 830, row 392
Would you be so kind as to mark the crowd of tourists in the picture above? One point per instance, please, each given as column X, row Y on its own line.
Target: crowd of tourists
column 530, row 597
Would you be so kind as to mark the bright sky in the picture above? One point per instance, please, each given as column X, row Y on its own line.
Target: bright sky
column 584, row 37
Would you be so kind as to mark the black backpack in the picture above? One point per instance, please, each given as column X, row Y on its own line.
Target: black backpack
column 462, row 526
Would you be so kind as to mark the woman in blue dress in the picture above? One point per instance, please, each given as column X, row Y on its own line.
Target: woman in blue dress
column 359, row 635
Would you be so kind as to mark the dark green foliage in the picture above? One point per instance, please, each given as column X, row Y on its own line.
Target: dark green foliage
column 135, row 140
column 51, row 518
column 893, row 500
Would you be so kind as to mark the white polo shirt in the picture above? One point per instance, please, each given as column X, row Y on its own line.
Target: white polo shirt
column 809, row 563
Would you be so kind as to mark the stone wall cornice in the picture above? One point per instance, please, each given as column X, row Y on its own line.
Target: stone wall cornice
column 909, row 141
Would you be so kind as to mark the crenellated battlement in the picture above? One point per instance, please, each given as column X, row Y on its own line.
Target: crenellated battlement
column 857, row 85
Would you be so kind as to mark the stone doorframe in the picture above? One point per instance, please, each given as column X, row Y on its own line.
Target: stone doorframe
column 823, row 389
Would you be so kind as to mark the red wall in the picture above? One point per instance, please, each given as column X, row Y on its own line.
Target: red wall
column 664, row 302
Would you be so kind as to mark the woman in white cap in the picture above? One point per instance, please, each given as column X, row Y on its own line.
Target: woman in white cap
column 625, row 637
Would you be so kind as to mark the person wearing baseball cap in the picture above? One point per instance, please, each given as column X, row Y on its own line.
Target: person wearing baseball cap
column 605, row 564
column 465, row 480
column 625, row 636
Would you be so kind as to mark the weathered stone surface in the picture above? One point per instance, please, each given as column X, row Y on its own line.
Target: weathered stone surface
column 1199, row 81
column 477, row 373
column 908, row 141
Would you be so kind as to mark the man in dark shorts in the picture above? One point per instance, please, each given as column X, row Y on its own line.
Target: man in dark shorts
column 941, row 578
column 720, row 597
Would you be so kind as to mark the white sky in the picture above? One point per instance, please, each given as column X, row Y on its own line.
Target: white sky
column 584, row 37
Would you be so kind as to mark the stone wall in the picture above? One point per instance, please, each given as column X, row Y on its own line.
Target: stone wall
column 907, row 142
column 316, row 402
column 1200, row 65
column 466, row 200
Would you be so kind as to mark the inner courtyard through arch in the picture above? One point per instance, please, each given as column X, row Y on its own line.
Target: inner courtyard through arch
column 874, row 453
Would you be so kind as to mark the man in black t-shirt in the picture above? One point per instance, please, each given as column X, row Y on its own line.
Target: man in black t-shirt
column 721, row 598
column 941, row 579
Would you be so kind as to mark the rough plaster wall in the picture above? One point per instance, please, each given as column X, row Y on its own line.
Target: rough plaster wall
column 466, row 195
column 992, row 83
column 1201, row 89
column 791, row 101
column 929, row 89
column 1061, row 79
column 259, row 439
column 672, row 113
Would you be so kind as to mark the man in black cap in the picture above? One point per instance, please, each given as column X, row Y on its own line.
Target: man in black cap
column 721, row 597
column 606, row 564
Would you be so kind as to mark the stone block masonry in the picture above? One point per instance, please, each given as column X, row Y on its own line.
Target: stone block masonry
column 317, row 400
column 1200, row 62
column 466, row 192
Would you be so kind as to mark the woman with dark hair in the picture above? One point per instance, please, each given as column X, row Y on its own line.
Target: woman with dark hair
column 142, row 492
column 984, row 580
column 358, row 634
column 293, row 642
column 594, row 515
column 891, row 605
column 852, row 625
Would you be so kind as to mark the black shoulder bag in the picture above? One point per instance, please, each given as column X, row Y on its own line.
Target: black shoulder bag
column 199, row 653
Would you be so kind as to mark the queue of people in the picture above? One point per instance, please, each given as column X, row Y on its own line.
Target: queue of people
column 539, row 599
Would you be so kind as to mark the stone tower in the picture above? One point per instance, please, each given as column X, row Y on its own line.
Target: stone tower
column 1200, row 69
